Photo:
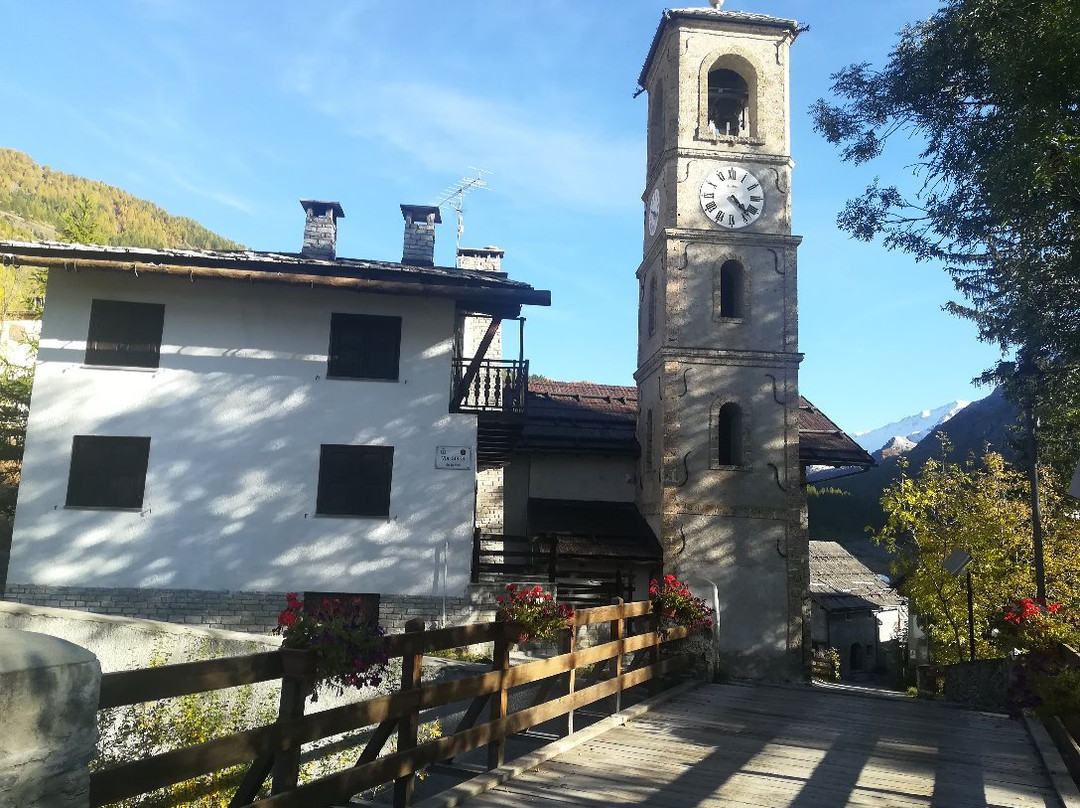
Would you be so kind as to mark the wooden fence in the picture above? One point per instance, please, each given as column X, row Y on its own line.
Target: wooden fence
column 273, row 751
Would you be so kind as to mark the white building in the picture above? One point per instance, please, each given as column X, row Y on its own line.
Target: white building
column 255, row 421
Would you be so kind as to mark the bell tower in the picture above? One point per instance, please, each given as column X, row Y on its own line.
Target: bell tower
column 718, row 360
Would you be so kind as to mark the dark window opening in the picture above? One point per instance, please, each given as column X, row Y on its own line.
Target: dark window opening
column 354, row 480
column 731, row 289
column 651, row 303
column 729, row 435
column 107, row 471
column 656, row 122
column 649, row 462
column 729, row 98
column 364, row 346
column 125, row 334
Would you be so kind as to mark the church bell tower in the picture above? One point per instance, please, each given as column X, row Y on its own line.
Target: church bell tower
column 718, row 360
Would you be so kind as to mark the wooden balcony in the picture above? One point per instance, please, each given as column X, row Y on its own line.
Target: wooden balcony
column 495, row 386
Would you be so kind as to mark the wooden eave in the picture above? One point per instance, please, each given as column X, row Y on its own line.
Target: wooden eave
column 469, row 288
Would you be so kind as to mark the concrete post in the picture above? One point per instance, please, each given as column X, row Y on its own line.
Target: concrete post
column 48, row 720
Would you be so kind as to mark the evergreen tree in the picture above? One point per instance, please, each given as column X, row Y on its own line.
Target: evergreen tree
column 82, row 224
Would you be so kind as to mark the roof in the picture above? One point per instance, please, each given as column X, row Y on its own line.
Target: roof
column 823, row 443
column 580, row 417
column 840, row 582
column 585, row 417
column 712, row 15
column 479, row 290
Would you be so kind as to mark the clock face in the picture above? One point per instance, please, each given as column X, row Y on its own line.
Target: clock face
column 731, row 196
column 653, row 214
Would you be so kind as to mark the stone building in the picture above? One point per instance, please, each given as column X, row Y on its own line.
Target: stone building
column 718, row 328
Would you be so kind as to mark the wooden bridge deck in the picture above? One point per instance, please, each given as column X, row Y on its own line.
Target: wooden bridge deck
column 743, row 746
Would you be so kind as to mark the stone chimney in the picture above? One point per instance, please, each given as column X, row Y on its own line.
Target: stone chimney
column 320, row 229
column 484, row 259
column 419, row 247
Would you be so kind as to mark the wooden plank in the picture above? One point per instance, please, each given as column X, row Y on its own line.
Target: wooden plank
column 605, row 614
column 412, row 670
column 760, row 747
column 150, row 684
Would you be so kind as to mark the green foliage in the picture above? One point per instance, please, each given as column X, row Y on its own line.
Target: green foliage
column 82, row 224
column 39, row 203
column 826, row 491
column 982, row 509
column 990, row 91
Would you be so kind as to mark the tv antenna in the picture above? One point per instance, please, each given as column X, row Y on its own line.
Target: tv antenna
column 454, row 196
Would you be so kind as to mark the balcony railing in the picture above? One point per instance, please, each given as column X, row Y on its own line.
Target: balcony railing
column 498, row 386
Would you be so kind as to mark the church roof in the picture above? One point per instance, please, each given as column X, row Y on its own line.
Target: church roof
column 712, row 15
column 479, row 289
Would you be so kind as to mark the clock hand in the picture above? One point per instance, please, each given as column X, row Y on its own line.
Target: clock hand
column 735, row 201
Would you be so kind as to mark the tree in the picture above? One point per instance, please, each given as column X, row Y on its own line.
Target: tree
column 82, row 224
column 991, row 91
column 981, row 508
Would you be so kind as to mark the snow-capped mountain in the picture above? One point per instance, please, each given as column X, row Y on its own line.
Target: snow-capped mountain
column 913, row 428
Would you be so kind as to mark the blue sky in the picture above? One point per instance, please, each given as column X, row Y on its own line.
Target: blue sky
column 231, row 112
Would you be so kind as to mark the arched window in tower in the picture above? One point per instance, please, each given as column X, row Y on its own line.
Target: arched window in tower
column 729, row 101
column 649, row 462
column 728, row 436
column 731, row 290
column 651, row 304
column 656, row 123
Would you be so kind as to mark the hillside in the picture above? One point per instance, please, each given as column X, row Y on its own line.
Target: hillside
column 844, row 507
column 34, row 201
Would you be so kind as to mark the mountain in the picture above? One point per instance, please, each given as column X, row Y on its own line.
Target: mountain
column 914, row 427
column 841, row 509
column 36, row 203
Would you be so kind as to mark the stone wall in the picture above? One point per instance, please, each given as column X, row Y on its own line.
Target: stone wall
column 489, row 501
column 48, row 700
column 253, row 612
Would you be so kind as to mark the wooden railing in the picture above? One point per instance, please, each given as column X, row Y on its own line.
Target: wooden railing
column 496, row 386
column 273, row 751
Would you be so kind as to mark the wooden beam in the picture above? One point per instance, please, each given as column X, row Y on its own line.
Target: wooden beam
column 150, row 684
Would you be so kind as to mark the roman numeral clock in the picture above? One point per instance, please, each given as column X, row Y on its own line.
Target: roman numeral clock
column 732, row 196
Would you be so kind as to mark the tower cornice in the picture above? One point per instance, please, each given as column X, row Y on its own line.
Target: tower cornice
column 730, row 19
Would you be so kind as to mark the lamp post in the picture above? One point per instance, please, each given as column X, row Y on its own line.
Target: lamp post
column 958, row 563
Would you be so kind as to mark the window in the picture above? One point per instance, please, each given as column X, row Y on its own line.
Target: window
column 651, row 303
column 107, row 471
column 364, row 346
column 656, row 123
column 649, row 441
column 354, row 480
column 731, row 289
column 729, row 428
column 124, row 333
column 729, row 98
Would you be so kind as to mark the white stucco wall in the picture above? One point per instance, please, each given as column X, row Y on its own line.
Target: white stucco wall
column 236, row 414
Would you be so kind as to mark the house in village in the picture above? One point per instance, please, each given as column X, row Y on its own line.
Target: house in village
column 234, row 422
column 856, row 612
